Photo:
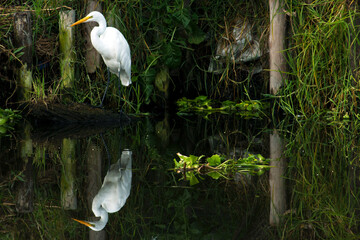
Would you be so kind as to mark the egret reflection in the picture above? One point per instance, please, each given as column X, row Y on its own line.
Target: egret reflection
column 113, row 192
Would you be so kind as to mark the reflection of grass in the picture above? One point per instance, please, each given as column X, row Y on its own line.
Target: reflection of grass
column 169, row 211
column 323, row 173
column 47, row 221
column 159, row 205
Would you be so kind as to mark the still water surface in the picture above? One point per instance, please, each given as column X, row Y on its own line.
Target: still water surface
column 51, row 174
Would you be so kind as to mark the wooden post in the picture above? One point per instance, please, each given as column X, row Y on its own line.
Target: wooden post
column 276, row 179
column 91, row 55
column 277, row 45
column 354, row 24
column 67, row 57
column 94, row 182
column 25, row 191
column 68, row 190
column 23, row 38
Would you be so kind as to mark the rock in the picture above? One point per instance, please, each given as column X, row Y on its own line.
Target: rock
column 240, row 48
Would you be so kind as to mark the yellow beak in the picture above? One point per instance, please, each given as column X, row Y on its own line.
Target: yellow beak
column 81, row 21
column 84, row 222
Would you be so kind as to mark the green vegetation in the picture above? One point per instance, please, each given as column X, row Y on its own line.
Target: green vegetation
column 159, row 204
column 8, row 119
column 322, row 172
column 218, row 166
column 322, row 78
column 171, row 44
column 205, row 106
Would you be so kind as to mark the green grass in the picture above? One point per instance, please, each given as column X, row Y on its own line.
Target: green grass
column 179, row 36
column 159, row 205
column 320, row 79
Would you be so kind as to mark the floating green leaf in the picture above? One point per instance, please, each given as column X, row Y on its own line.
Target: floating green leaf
column 192, row 167
column 214, row 175
column 202, row 104
column 214, row 160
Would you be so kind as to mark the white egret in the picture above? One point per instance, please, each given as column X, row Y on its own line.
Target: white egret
column 113, row 48
column 113, row 193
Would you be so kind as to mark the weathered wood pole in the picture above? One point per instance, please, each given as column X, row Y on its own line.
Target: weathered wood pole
column 94, row 182
column 23, row 38
column 277, row 72
column 25, row 191
column 91, row 55
column 354, row 56
column 277, row 45
column 67, row 52
column 276, row 179
column 68, row 189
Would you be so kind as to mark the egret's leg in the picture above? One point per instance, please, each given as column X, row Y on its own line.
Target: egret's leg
column 107, row 151
column 107, row 86
column 119, row 86
column 120, row 97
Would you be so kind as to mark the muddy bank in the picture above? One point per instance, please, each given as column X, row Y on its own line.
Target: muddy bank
column 53, row 121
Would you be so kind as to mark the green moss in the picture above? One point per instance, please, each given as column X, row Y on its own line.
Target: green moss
column 68, row 192
column 67, row 55
column 25, row 78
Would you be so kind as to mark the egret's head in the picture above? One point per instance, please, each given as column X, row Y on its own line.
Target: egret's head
column 94, row 16
column 96, row 226
column 86, row 223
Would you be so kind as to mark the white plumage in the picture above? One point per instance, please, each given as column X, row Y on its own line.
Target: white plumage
column 112, row 46
column 113, row 193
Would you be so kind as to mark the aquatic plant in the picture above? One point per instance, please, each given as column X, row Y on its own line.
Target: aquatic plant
column 203, row 105
column 8, row 119
column 193, row 167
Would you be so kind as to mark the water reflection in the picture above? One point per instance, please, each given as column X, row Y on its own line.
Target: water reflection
column 114, row 191
column 69, row 169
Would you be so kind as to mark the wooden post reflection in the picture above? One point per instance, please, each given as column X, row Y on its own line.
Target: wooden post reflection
column 94, row 182
column 277, row 181
column 25, row 191
column 68, row 191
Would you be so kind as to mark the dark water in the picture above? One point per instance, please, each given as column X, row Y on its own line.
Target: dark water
column 50, row 175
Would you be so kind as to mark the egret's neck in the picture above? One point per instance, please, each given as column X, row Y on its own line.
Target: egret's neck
column 100, row 212
column 96, row 33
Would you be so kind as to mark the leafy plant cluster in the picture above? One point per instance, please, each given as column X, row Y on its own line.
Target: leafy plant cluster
column 201, row 104
column 216, row 166
column 171, row 29
column 8, row 119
